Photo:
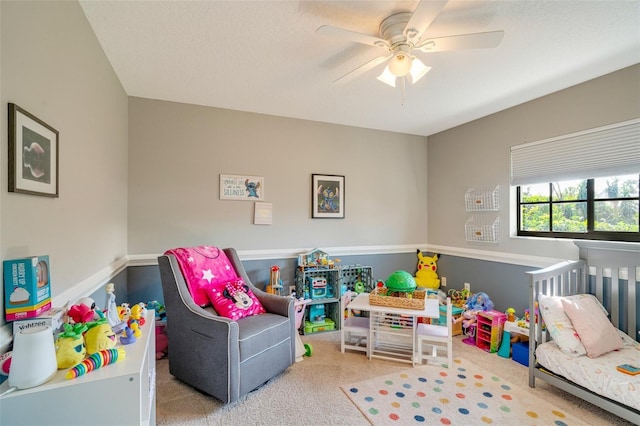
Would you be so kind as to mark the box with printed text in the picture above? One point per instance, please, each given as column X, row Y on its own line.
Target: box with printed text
column 53, row 318
column 27, row 290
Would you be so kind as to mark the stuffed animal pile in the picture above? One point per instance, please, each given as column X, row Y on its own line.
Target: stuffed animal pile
column 88, row 340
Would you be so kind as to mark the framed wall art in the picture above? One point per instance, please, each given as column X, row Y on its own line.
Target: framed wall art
column 327, row 195
column 33, row 154
column 241, row 187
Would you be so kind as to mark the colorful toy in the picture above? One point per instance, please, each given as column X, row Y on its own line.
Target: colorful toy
column 100, row 336
column 70, row 348
column 302, row 349
column 479, row 302
column 136, row 329
column 426, row 275
column 88, row 301
column 275, row 283
column 161, row 312
column 162, row 342
column 526, row 313
column 316, row 258
column 124, row 312
column 317, row 314
column 137, row 315
column 113, row 317
column 95, row 361
column 81, row 313
column 458, row 297
column 318, row 288
column 511, row 314
column 128, row 336
column 5, row 363
column 401, row 282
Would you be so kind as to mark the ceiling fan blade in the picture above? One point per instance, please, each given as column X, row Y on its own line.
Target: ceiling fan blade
column 462, row 42
column 349, row 35
column 422, row 17
column 362, row 69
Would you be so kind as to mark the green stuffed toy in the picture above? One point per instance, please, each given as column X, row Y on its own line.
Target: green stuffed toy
column 426, row 276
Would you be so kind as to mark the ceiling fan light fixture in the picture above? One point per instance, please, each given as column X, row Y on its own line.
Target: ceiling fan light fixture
column 400, row 64
column 387, row 77
column 418, row 70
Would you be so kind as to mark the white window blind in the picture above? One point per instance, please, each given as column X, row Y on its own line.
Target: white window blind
column 603, row 151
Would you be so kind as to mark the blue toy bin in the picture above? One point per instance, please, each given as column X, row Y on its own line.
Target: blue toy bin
column 520, row 353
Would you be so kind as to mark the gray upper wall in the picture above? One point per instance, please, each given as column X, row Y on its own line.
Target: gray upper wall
column 477, row 154
column 177, row 152
column 53, row 66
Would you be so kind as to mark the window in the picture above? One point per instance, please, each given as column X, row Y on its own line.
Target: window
column 603, row 208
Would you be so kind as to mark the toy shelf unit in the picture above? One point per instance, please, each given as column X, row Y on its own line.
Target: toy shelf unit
column 356, row 278
column 482, row 230
column 321, row 286
column 482, row 199
column 489, row 330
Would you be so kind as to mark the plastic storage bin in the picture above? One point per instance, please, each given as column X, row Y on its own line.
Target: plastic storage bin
column 520, row 353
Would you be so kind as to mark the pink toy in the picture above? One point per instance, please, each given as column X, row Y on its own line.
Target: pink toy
column 162, row 342
column 81, row 313
column 478, row 302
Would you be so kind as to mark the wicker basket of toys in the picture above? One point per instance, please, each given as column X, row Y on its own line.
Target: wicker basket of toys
column 381, row 296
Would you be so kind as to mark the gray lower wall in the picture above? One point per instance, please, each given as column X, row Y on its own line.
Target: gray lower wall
column 505, row 284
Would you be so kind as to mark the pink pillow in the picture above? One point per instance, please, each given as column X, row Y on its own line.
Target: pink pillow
column 234, row 300
column 203, row 266
column 596, row 333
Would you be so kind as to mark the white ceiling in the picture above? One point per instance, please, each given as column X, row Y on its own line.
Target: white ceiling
column 265, row 57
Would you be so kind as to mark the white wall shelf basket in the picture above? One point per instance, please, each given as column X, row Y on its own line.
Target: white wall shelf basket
column 482, row 230
column 482, row 199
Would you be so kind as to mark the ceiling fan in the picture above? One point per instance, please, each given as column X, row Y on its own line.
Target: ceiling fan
column 402, row 34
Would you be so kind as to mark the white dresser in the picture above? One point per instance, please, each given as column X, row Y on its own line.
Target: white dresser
column 118, row 394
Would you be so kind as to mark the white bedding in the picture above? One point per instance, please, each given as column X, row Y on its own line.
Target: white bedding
column 597, row 374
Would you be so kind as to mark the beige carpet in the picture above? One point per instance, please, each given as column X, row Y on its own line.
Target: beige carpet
column 309, row 393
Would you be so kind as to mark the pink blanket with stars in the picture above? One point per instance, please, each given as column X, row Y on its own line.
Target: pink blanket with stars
column 203, row 267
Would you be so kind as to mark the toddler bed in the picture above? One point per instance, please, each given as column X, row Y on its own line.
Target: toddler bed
column 581, row 360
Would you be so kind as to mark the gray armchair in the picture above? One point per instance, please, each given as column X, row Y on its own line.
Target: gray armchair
column 219, row 356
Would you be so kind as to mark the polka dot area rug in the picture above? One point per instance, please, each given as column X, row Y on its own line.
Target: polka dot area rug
column 463, row 395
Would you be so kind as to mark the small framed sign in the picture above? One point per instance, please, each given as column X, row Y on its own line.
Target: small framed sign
column 33, row 154
column 241, row 187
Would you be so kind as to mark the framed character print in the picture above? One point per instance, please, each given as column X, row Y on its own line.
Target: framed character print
column 328, row 197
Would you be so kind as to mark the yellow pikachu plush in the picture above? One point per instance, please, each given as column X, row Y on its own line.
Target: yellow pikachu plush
column 426, row 276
